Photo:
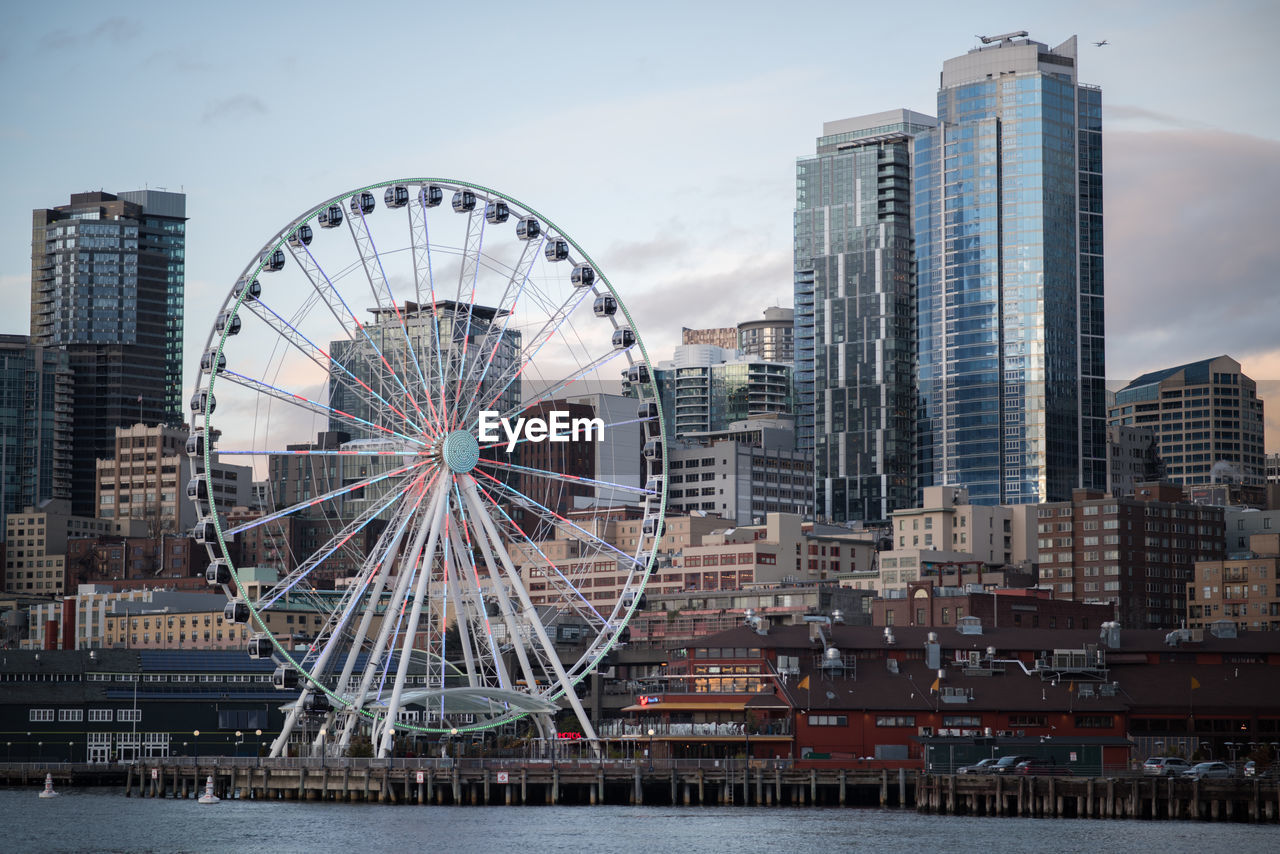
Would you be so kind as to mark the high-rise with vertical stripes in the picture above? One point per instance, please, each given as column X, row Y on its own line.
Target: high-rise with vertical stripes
column 1009, row 279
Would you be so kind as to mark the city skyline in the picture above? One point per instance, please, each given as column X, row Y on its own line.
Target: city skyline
column 262, row 124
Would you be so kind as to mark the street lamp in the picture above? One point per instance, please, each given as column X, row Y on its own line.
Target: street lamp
column 70, row 751
column 651, row 734
column 1232, row 747
column 323, row 732
column 196, row 735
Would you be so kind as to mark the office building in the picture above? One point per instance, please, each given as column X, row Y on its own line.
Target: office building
column 107, row 277
column 855, row 315
column 741, row 473
column 145, row 479
column 35, row 424
column 1133, row 457
column 771, row 338
column 1136, row 553
column 707, row 388
column 1242, row 588
column 1207, row 418
column 1009, row 279
column 37, row 537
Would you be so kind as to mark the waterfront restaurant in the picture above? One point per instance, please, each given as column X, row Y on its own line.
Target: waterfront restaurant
column 831, row 695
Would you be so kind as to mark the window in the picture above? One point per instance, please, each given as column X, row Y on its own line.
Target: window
column 99, row 716
column 128, row 715
column 961, row 720
column 1095, row 721
column 828, row 720
column 39, row 715
column 65, row 715
column 895, row 720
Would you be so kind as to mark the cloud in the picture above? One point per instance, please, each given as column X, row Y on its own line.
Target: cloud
column 242, row 106
column 1128, row 113
column 1190, row 248
column 117, row 31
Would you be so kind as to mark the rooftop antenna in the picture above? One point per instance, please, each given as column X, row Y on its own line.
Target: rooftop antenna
column 1003, row 37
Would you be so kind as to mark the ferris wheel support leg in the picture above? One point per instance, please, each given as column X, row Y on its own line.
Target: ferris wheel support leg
column 352, row 716
column 504, row 606
column 277, row 746
column 481, row 618
column 469, row 489
column 433, row 537
column 453, row 576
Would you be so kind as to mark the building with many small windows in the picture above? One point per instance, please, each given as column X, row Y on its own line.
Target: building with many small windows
column 742, row 473
column 146, row 479
column 35, row 424
column 1244, row 588
column 1137, row 553
column 1207, row 417
column 36, row 558
column 107, row 281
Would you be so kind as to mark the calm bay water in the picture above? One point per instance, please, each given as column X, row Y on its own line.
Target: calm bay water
column 103, row 820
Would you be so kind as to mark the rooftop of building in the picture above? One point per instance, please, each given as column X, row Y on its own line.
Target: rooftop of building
column 1194, row 373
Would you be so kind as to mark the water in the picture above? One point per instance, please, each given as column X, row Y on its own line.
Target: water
column 103, row 820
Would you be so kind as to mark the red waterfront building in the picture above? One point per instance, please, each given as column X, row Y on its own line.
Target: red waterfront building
column 831, row 694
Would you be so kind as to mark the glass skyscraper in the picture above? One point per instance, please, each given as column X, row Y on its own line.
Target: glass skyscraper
column 855, row 314
column 107, row 285
column 1009, row 308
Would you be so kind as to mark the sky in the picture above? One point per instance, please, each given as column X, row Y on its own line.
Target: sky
column 661, row 136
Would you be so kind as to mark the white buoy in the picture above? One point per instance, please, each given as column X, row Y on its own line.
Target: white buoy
column 208, row 797
column 48, row 791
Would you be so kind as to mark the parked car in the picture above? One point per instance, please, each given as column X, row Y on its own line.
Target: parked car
column 1251, row 768
column 1042, row 768
column 1164, row 766
column 1006, row 764
column 982, row 767
column 1208, row 769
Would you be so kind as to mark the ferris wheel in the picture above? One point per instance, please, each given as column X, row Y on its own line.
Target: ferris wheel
column 462, row 447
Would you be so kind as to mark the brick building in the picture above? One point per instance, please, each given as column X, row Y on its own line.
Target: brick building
column 1137, row 553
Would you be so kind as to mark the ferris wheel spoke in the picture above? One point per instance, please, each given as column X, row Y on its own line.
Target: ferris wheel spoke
column 347, row 318
column 550, row 392
column 531, row 613
column 403, row 579
column 473, row 624
column 545, row 334
column 470, row 265
column 420, row 241
column 515, row 635
column 371, row 261
column 530, row 548
column 505, row 310
column 433, row 535
column 336, row 542
column 328, row 496
column 313, row 406
column 560, row 522
column 319, row 452
column 464, row 528
column 325, row 360
column 566, row 478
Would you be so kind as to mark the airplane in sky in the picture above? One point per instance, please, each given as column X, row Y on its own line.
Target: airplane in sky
column 1102, row 43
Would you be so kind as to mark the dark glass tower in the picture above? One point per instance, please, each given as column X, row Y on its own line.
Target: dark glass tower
column 1008, row 214
column 855, row 280
column 107, row 277
column 35, row 425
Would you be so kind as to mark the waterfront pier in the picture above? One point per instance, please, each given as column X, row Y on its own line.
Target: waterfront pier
column 480, row 782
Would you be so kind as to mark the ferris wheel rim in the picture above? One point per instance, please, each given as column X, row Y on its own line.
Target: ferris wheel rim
column 605, row 641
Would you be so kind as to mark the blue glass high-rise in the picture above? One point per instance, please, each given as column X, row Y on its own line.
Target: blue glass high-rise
column 1009, row 310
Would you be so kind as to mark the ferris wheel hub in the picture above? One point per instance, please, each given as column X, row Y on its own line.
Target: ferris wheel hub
column 460, row 451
